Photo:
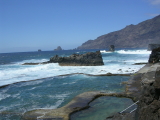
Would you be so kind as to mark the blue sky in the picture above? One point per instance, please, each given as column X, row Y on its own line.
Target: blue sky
column 29, row 25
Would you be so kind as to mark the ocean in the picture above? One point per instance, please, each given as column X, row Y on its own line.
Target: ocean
column 50, row 86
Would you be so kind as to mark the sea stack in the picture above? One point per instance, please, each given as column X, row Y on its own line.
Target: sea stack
column 111, row 48
column 58, row 48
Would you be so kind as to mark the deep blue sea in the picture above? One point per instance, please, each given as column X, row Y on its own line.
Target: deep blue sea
column 51, row 86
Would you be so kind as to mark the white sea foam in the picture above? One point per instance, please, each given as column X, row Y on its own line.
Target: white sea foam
column 31, row 83
column 4, row 96
column 104, row 51
column 69, row 83
column 16, row 72
column 32, row 61
column 133, row 52
column 27, row 73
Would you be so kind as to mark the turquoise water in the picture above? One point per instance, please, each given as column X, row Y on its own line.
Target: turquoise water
column 51, row 93
column 102, row 107
column 56, row 91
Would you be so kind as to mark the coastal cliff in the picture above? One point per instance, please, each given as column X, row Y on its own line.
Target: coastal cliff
column 132, row 36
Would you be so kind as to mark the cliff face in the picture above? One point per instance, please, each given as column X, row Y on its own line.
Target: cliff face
column 132, row 36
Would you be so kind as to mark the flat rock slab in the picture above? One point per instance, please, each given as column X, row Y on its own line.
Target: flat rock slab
column 80, row 102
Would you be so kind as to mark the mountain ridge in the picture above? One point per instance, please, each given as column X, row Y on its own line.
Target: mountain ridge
column 132, row 36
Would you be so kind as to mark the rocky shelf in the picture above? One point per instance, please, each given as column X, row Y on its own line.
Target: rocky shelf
column 143, row 87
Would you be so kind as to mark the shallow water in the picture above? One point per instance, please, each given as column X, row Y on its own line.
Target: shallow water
column 103, row 107
column 51, row 93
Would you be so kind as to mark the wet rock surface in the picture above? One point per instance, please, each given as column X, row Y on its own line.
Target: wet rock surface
column 80, row 102
column 143, row 87
column 149, row 106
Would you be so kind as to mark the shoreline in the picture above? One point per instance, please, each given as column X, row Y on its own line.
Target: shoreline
column 133, row 91
column 107, row 74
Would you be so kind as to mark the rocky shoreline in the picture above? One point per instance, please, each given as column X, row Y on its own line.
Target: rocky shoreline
column 142, row 87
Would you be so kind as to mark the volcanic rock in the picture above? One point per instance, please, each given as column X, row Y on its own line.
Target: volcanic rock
column 132, row 36
column 87, row 59
column 154, row 56
column 58, row 48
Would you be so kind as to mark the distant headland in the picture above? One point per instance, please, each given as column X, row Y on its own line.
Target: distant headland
column 132, row 36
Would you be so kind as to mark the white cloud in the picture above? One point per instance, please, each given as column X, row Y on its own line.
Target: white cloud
column 155, row 2
column 153, row 15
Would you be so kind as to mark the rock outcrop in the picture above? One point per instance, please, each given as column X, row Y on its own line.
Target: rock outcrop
column 149, row 106
column 143, row 87
column 154, row 56
column 87, row 59
column 111, row 48
column 132, row 36
column 58, row 48
column 153, row 46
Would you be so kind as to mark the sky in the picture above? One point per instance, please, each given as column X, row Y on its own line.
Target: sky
column 29, row 25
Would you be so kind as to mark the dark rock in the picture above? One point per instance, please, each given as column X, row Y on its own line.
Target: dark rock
column 154, row 56
column 88, row 59
column 58, row 48
column 109, row 74
column 149, row 105
column 124, row 116
column 153, row 46
column 30, row 64
column 111, row 48
column 157, row 80
column 139, row 63
column 132, row 36
column 39, row 50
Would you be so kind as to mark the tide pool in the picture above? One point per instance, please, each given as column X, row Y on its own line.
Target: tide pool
column 51, row 93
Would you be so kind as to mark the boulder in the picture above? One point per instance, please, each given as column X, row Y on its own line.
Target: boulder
column 87, row 59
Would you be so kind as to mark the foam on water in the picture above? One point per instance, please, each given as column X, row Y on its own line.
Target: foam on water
column 104, row 51
column 31, row 61
column 52, row 93
column 133, row 52
column 121, row 59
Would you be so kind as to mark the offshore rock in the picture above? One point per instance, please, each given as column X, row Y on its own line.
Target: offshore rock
column 111, row 48
column 58, row 48
column 87, row 59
